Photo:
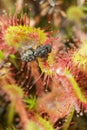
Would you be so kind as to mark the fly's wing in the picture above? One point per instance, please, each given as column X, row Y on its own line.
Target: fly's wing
column 26, row 45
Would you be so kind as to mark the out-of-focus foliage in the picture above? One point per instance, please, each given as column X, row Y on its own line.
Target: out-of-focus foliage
column 11, row 128
column 2, row 55
column 75, row 13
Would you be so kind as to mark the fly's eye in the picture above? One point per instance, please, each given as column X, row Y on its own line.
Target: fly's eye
column 28, row 55
column 48, row 47
column 42, row 51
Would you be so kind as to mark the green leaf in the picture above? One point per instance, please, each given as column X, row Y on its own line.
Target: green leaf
column 33, row 126
column 14, row 90
column 12, row 59
column 84, row 8
column 46, row 124
column 40, row 124
column 12, row 56
column 75, row 87
column 68, row 119
column 2, row 55
column 75, row 13
column 11, row 128
column 11, row 112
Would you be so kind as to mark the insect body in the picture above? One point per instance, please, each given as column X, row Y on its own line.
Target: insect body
column 41, row 51
column 28, row 56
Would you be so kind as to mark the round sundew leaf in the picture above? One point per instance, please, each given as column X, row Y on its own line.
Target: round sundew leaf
column 17, row 35
column 14, row 90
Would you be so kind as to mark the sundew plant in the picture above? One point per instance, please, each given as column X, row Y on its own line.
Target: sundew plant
column 43, row 65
